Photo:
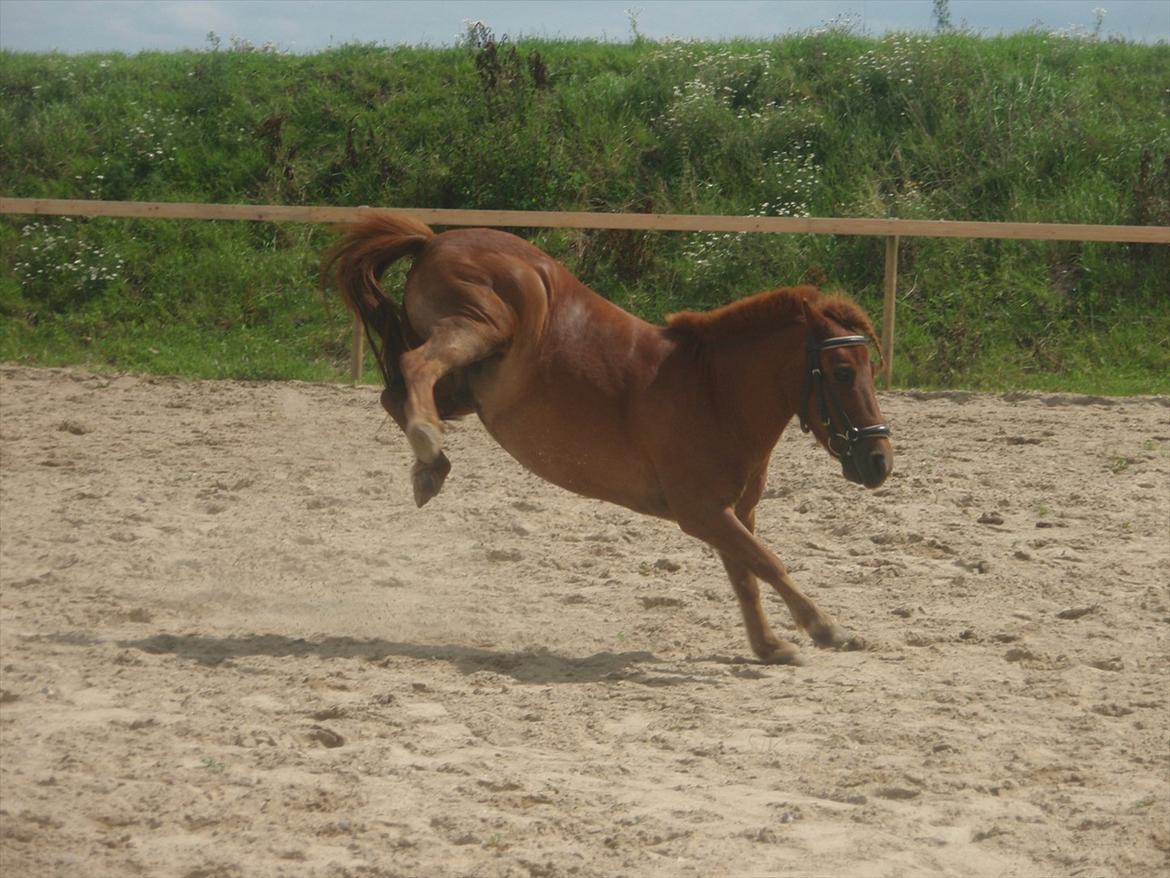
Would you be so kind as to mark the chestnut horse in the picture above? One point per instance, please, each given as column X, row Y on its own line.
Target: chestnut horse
column 676, row 421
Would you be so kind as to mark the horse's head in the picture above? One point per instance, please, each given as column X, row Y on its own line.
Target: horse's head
column 838, row 403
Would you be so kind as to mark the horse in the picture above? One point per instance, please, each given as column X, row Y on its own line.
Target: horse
column 676, row 421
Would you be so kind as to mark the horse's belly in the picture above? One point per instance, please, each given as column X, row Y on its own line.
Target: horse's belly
column 588, row 456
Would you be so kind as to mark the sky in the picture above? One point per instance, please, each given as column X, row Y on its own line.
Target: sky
column 309, row 25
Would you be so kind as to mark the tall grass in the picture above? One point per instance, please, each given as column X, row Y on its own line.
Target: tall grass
column 1031, row 127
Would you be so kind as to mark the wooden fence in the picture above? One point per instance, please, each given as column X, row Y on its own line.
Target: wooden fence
column 890, row 229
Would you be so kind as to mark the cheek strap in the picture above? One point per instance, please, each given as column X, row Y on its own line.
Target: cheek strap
column 841, row 442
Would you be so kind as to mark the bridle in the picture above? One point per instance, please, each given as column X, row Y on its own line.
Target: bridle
column 841, row 443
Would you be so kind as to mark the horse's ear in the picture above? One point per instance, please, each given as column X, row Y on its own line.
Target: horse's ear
column 808, row 315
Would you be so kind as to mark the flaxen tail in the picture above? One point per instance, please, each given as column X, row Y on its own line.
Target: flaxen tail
column 356, row 264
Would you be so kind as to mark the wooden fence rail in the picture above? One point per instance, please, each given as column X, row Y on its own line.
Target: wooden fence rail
column 890, row 229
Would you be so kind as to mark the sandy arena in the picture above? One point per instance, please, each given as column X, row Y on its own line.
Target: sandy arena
column 231, row 646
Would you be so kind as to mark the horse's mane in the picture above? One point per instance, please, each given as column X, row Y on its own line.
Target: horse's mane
column 770, row 310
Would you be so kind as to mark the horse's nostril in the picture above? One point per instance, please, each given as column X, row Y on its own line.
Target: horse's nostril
column 880, row 464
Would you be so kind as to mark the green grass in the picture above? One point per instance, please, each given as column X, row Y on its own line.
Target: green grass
column 1030, row 127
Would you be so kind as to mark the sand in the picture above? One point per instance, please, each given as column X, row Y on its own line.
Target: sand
column 231, row 646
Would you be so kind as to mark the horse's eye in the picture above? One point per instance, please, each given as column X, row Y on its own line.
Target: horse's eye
column 843, row 375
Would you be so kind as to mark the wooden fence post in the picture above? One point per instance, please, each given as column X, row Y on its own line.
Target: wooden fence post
column 356, row 352
column 890, row 303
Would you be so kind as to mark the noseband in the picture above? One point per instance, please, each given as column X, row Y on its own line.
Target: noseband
column 841, row 442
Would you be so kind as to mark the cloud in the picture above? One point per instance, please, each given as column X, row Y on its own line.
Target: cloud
column 200, row 16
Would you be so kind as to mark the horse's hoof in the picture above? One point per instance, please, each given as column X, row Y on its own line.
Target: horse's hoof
column 425, row 440
column 780, row 654
column 833, row 636
column 426, row 486
column 428, row 480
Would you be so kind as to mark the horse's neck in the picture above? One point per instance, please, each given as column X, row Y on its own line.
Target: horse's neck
column 759, row 380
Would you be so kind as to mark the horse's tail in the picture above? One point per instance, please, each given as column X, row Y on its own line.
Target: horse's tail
column 357, row 262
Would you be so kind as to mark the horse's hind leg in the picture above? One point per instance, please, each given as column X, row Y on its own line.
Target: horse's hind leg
column 454, row 342
column 426, row 478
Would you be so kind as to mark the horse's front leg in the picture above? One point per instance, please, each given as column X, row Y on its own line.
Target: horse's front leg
column 742, row 551
column 769, row 648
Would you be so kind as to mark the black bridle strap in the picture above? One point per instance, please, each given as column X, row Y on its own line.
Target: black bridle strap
column 825, row 393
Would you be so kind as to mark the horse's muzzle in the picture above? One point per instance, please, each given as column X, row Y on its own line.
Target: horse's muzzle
column 869, row 463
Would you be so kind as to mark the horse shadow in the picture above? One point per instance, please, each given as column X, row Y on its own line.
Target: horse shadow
column 534, row 667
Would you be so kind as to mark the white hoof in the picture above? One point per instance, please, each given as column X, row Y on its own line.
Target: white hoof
column 425, row 440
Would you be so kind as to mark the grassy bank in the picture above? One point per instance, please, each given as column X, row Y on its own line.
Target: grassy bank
column 1032, row 127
